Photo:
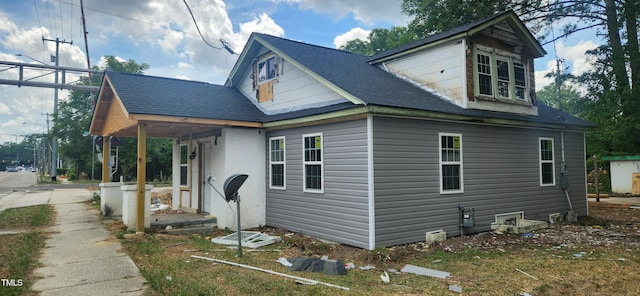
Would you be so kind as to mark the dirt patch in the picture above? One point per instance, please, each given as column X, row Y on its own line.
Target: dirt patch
column 602, row 251
column 164, row 196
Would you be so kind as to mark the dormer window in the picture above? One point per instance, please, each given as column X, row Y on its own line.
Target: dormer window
column 499, row 75
column 267, row 69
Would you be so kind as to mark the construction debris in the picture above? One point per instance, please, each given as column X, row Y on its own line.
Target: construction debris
column 250, row 239
column 425, row 271
column 284, row 262
column 384, row 277
column 455, row 288
column 368, row 267
column 533, row 277
column 330, row 267
column 303, row 280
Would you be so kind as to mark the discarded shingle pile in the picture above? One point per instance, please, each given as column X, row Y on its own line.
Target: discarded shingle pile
column 330, row 267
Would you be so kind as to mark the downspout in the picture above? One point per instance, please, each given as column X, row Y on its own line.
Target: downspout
column 190, row 172
column 564, row 178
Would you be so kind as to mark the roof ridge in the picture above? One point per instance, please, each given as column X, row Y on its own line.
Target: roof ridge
column 437, row 36
column 308, row 44
column 160, row 77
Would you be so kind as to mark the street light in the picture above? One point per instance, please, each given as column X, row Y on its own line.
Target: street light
column 26, row 56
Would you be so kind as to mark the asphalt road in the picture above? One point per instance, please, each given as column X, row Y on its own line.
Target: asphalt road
column 10, row 181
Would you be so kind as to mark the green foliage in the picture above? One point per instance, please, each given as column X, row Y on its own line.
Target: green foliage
column 20, row 258
column 17, row 154
column 380, row 40
column 26, row 217
column 611, row 100
column 73, row 120
column 434, row 16
column 571, row 98
column 146, row 246
column 20, row 251
column 158, row 158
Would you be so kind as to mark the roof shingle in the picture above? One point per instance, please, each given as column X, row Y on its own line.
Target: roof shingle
column 151, row 95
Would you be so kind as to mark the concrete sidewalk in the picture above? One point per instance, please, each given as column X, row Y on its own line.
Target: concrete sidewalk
column 24, row 199
column 81, row 256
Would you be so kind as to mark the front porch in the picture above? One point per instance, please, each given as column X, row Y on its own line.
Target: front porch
column 219, row 142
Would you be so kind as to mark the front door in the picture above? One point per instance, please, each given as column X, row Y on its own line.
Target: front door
column 204, row 201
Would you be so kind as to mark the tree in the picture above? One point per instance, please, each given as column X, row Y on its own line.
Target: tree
column 380, row 40
column 571, row 98
column 612, row 101
column 74, row 117
column 434, row 16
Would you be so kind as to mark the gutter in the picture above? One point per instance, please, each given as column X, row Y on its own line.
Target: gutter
column 361, row 112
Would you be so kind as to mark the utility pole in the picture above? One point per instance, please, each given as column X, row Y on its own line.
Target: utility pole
column 54, row 144
column 47, row 151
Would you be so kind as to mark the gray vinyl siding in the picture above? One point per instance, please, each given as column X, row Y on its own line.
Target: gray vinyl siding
column 339, row 214
column 500, row 171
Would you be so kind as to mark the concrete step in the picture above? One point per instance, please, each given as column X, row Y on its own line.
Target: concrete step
column 183, row 223
column 188, row 230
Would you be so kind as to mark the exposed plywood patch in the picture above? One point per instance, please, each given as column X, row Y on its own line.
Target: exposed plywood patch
column 265, row 92
column 116, row 118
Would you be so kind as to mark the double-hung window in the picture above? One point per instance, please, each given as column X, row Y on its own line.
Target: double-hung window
column 184, row 165
column 277, row 165
column 547, row 165
column 451, row 180
column 500, row 75
column 312, row 163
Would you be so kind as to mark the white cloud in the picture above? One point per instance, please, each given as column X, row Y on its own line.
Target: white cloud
column 102, row 62
column 262, row 24
column 366, row 12
column 355, row 33
column 182, row 65
column 171, row 41
column 4, row 109
column 574, row 55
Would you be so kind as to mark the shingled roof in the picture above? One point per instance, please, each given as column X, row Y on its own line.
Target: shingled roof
column 373, row 86
column 468, row 29
column 141, row 94
column 354, row 76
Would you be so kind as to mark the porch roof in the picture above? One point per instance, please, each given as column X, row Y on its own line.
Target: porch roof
column 169, row 107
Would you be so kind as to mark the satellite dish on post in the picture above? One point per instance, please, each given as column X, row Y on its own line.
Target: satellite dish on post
column 231, row 186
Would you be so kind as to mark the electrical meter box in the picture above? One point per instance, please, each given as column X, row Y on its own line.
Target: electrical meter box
column 467, row 216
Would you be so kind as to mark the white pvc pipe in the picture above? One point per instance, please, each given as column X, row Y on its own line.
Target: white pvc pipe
column 271, row 272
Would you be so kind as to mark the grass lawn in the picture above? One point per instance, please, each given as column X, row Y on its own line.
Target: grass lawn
column 596, row 257
column 19, row 252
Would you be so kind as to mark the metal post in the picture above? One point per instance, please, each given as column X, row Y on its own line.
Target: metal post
column 93, row 158
column 54, row 143
column 47, row 152
column 239, row 228
column 595, row 177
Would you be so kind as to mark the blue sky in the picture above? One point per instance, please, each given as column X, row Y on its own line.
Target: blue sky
column 162, row 34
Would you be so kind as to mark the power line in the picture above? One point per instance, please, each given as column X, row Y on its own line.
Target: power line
column 225, row 44
column 197, row 27
column 131, row 19
column 38, row 15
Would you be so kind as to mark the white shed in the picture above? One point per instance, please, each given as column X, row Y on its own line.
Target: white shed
column 624, row 171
